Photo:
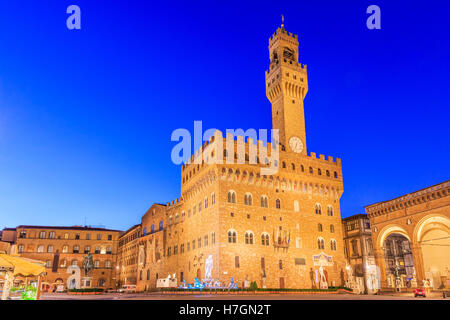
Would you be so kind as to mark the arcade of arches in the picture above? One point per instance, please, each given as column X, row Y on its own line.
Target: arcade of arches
column 411, row 237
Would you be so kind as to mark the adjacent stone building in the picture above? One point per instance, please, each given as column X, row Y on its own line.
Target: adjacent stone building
column 127, row 252
column 61, row 247
column 359, row 252
column 411, row 237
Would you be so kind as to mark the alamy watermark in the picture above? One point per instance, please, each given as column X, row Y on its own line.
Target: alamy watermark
column 212, row 148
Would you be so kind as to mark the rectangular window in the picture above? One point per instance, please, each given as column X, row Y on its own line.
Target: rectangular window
column 205, row 241
column 280, row 263
column 77, row 236
column 193, row 244
column 355, row 247
column 213, row 238
column 88, row 236
column 21, row 248
column 99, row 236
column 109, row 237
column 236, row 261
column 213, row 198
column 175, row 250
column 298, row 243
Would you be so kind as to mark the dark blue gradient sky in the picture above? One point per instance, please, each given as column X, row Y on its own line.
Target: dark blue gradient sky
column 86, row 116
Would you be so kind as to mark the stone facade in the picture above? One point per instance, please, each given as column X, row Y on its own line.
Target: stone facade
column 276, row 229
column 358, row 248
column 411, row 236
column 60, row 247
column 126, row 270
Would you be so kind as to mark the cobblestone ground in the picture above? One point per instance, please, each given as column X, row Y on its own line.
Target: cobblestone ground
column 149, row 296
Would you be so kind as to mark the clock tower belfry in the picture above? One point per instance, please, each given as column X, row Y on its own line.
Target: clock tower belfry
column 286, row 87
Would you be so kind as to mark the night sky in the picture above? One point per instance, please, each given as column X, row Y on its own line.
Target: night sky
column 86, row 115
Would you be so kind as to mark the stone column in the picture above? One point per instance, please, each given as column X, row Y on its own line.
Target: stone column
column 418, row 263
column 381, row 263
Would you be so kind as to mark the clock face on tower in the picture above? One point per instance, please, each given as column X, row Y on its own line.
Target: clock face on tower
column 296, row 144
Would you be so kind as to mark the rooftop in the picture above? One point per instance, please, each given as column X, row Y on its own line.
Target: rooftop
column 81, row 228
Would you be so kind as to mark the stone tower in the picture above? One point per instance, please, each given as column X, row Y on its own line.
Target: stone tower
column 286, row 87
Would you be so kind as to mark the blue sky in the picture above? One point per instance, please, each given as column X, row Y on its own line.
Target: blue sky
column 86, row 116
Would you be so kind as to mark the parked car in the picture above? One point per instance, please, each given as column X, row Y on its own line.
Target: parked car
column 127, row 288
column 420, row 292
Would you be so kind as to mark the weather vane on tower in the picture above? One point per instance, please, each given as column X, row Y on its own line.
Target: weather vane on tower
column 282, row 21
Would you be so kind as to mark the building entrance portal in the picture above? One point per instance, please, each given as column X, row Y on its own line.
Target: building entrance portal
column 400, row 272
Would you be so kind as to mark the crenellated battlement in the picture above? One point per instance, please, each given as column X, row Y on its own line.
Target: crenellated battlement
column 321, row 157
column 281, row 33
column 301, row 67
column 175, row 202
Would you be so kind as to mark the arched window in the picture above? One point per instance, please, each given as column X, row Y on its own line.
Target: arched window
column 248, row 200
column 152, row 230
column 177, row 218
column 319, row 227
column 302, row 168
column 50, row 249
column 264, row 202
column 296, row 206
column 249, row 237
column 293, row 166
column 283, row 165
column 161, row 225
column 231, row 196
column 108, row 264
column 96, row 264
column 331, row 228
column 278, row 204
column 335, row 174
column 76, row 249
column 320, row 243
column 328, row 173
column 319, row 171
column 333, row 244
column 63, row 263
column 318, row 208
column 311, row 170
column 330, row 210
column 145, row 231
column 74, row 262
column 232, row 236
column 265, row 239
column 65, row 249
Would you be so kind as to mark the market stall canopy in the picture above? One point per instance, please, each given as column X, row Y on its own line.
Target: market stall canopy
column 21, row 266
